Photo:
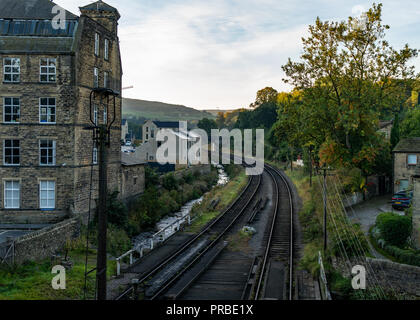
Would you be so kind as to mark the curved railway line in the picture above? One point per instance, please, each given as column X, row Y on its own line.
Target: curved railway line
column 211, row 234
column 201, row 263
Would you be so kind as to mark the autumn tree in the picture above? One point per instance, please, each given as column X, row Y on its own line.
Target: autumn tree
column 266, row 95
column 347, row 76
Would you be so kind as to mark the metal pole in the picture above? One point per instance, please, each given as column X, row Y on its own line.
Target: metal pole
column 102, row 219
column 325, row 210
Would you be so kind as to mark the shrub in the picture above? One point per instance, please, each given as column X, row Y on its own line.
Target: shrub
column 118, row 241
column 394, row 229
column 169, row 182
column 117, row 211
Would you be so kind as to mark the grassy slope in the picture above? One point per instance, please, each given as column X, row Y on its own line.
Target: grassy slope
column 161, row 111
column 32, row 281
column 225, row 194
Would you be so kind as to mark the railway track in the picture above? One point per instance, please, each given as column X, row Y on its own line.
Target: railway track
column 195, row 252
column 277, row 264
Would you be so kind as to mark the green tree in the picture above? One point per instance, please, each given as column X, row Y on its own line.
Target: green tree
column 266, row 95
column 348, row 75
column 207, row 124
column 410, row 126
column 395, row 131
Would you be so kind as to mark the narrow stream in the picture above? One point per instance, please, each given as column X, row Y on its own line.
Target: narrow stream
column 145, row 237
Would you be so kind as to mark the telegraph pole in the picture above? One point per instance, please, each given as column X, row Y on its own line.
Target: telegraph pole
column 102, row 137
column 325, row 205
column 102, row 218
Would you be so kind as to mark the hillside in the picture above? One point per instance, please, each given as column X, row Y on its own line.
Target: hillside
column 134, row 108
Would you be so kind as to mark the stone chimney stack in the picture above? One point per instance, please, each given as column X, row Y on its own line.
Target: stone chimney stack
column 416, row 206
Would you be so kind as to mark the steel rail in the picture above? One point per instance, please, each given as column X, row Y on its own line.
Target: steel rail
column 270, row 170
column 186, row 245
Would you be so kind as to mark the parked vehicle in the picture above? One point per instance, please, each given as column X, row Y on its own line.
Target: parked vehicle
column 402, row 200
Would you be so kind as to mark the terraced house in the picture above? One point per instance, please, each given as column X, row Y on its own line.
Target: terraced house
column 47, row 74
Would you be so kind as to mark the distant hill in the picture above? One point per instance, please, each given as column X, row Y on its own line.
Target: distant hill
column 134, row 108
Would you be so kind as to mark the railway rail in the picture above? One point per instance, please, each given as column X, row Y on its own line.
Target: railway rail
column 280, row 242
column 212, row 234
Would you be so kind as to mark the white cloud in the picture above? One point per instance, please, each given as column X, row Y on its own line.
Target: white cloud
column 208, row 54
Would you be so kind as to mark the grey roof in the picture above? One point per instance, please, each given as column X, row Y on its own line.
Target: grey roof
column 166, row 124
column 35, row 45
column 100, row 6
column 39, row 28
column 408, row 145
column 130, row 159
column 30, row 9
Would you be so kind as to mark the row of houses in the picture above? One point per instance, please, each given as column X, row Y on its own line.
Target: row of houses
column 46, row 76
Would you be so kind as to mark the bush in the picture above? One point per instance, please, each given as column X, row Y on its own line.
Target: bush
column 403, row 255
column 394, row 229
column 169, row 182
column 117, row 211
column 118, row 241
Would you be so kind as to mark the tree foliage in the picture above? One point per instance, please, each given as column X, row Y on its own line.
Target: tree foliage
column 347, row 77
column 394, row 229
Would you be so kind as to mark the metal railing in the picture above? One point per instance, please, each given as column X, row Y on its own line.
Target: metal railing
column 159, row 237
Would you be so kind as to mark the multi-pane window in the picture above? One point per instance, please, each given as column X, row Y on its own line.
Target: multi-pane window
column 412, row 159
column 11, row 152
column 47, row 152
column 95, row 77
column 47, row 194
column 95, row 114
column 47, row 110
column 11, row 109
column 47, row 72
column 95, row 156
column 11, row 194
column 96, row 44
column 106, row 50
column 106, row 79
column 11, row 70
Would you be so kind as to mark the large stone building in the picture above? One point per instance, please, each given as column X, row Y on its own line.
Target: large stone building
column 406, row 156
column 47, row 74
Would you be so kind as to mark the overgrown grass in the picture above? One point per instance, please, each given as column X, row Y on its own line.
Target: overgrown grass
column 32, row 280
column 223, row 195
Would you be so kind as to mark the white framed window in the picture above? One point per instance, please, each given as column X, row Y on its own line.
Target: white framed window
column 95, row 155
column 96, row 44
column 11, row 69
column 46, row 194
column 412, row 159
column 106, row 79
column 11, row 152
column 95, row 114
column 106, row 49
column 11, row 194
column 95, row 77
column 47, row 110
column 404, row 184
column 47, row 70
column 105, row 115
column 11, row 110
column 47, row 152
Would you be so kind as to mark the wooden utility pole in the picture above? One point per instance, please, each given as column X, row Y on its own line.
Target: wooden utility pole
column 102, row 212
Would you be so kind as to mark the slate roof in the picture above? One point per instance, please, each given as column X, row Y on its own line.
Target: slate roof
column 130, row 159
column 166, row 124
column 408, row 145
column 30, row 9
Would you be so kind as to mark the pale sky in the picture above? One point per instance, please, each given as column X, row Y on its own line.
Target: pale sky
column 209, row 54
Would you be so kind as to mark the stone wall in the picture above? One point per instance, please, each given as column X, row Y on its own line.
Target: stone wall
column 390, row 275
column 45, row 242
column 133, row 181
column 416, row 212
column 401, row 170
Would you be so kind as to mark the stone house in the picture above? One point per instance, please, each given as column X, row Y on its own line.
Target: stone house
column 47, row 75
column 406, row 156
column 124, row 130
column 133, row 177
column 385, row 127
column 148, row 149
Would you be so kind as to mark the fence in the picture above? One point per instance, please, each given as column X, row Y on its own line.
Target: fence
column 7, row 253
column 159, row 237
column 325, row 293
